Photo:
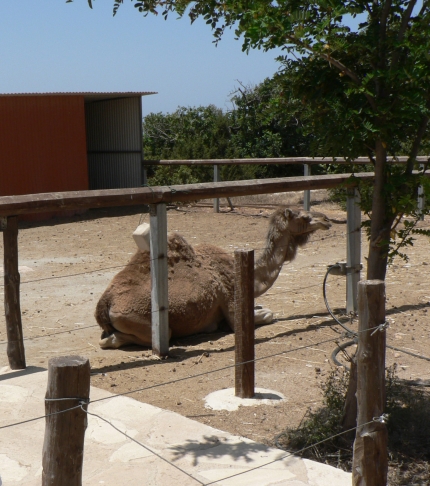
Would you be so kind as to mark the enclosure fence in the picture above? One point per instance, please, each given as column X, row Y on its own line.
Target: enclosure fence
column 157, row 198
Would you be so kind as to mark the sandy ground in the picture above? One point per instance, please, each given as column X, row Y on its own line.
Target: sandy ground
column 66, row 265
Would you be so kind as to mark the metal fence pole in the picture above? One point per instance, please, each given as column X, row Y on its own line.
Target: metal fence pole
column 159, row 279
column 217, row 178
column 353, row 251
column 307, row 192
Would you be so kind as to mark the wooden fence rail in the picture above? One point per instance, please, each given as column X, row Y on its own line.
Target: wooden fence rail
column 76, row 200
column 281, row 161
column 307, row 162
column 12, row 206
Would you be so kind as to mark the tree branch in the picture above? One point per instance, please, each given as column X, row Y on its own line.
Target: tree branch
column 401, row 34
column 416, row 144
column 383, row 20
column 339, row 65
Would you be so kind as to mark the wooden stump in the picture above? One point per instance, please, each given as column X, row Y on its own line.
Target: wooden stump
column 63, row 447
column 370, row 461
column 244, row 323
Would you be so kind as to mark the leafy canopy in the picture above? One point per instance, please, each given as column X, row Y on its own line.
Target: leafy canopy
column 359, row 92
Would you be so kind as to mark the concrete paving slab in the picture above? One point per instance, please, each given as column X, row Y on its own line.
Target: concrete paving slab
column 162, row 447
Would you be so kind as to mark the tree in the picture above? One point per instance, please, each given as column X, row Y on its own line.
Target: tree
column 261, row 128
column 365, row 91
column 188, row 133
column 252, row 128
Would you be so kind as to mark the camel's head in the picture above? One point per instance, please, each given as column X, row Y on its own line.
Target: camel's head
column 299, row 224
column 304, row 222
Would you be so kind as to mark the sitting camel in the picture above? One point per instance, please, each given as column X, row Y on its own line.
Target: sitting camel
column 201, row 283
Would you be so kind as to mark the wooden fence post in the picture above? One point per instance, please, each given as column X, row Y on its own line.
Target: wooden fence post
column 370, row 460
column 421, row 197
column 15, row 345
column 63, row 446
column 244, row 322
column 159, row 279
column 307, row 192
column 353, row 248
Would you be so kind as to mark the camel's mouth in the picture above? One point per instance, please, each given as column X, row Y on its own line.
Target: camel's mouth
column 320, row 221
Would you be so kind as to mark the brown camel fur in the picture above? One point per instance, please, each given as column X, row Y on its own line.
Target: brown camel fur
column 201, row 283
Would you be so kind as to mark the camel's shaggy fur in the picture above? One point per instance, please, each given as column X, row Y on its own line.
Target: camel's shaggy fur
column 201, row 283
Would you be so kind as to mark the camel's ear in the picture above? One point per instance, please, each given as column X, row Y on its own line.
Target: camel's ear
column 288, row 213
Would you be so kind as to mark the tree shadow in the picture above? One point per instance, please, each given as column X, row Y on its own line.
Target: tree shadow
column 213, row 447
column 183, row 349
column 408, row 425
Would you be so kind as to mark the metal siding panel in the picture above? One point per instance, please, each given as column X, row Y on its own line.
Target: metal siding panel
column 43, row 144
column 114, row 143
column 114, row 171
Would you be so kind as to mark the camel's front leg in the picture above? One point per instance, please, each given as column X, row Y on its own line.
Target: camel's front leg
column 129, row 329
column 118, row 339
column 262, row 316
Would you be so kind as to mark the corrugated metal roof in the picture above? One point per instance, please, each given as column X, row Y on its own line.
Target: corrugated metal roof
column 89, row 95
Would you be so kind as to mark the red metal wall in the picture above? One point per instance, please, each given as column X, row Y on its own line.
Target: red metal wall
column 42, row 144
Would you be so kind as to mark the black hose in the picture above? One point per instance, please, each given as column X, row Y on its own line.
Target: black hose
column 330, row 268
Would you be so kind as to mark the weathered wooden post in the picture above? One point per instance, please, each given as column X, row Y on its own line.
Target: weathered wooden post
column 307, row 192
column 159, row 279
column 63, row 446
column 217, row 178
column 370, row 461
column 15, row 345
column 353, row 248
column 244, row 323
column 421, row 197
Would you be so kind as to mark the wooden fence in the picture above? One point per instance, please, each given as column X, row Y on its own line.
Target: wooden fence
column 156, row 197
column 307, row 163
column 69, row 383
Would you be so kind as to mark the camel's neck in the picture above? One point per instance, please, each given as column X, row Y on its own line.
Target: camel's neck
column 278, row 249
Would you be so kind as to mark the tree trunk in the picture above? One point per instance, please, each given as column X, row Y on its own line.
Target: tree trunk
column 381, row 223
column 349, row 419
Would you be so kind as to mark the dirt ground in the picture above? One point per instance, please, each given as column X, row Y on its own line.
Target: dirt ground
column 66, row 264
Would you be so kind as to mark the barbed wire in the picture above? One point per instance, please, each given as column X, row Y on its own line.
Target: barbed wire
column 149, row 260
column 129, row 264
column 143, row 445
column 38, row 418
column 198, row 375
column 50, row 334
column 300, row 451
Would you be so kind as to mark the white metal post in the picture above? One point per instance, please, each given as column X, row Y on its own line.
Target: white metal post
column 353, row 250
column 307, row 192
column 217, row 178
column 159, row 279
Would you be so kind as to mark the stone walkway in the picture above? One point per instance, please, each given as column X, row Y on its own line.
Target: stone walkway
column 194, row 453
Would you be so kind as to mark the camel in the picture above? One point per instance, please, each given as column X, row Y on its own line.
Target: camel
column 201, row 283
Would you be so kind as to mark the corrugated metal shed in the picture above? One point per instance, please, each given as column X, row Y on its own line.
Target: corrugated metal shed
column 53, row 142
column 114, row 142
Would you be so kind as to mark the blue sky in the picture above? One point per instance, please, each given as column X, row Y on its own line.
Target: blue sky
column 51, row 45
